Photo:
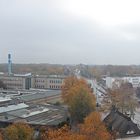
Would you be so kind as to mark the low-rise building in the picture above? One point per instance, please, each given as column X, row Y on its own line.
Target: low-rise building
column 48, row 81
column 116, row 81
column 41, row 115
column 121, row 125
column 37, row 97
column 27, row 81
column 16, row 81
column 33, row 108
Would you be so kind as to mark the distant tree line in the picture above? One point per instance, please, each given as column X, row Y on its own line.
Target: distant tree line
column 88, row 71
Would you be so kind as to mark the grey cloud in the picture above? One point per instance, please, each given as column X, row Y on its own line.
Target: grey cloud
column 36, row 33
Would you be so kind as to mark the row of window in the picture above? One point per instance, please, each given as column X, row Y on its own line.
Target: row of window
column 8, row 82
column 55, row 87
column 36, row 80
column 12, row 84
column 42, row 81
column 51, row 81
column 51, row 87
column 56, row 81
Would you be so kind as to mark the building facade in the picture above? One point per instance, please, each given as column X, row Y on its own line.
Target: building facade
column 116, row 81
column 29, row 81
column 16, row 81
column 48, row 81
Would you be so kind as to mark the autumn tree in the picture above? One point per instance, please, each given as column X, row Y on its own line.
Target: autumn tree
column 63, row 133
column 77, row 95
column 1, row 136
column 123, row 98
column 68, row 84
column 18, row 131
column 93, row 128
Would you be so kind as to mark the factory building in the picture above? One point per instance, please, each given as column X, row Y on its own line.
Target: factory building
column 34, row 108
column 48, row 81
column 16, row 81
column 27, row 81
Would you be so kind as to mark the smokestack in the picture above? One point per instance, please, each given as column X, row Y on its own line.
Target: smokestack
column 9, row 65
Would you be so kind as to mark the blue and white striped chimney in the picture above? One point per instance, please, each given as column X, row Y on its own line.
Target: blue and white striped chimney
column 9, row 65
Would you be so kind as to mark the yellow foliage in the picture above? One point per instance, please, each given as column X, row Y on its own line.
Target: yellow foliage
column 19, row 131
column 1, row 137
column 61, row 134
column 74, row 86
column 77, row 95
column 91, row 129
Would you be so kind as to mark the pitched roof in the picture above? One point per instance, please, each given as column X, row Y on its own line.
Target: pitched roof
column 120, row 123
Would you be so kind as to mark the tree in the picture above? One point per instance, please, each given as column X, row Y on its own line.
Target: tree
column 18, row 131
column 76, row 94
column 81, row 105
column 68, row 84
column 123, row 98
column 1, row 137
column 63, row 133
column 93, row 128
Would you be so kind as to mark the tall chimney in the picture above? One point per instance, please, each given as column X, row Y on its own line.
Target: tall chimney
column 9, row 65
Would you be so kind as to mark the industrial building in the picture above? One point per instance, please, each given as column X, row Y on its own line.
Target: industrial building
column 27, row 81
column 31, row 98
column 35, row 115
column 41, row 97
column 47, row 81
column 34, row 107
column 16, row 81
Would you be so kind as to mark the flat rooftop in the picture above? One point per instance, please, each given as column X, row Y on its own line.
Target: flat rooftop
column 38, row 95
column 12, row 107
column 36, row 115
column 3, row 99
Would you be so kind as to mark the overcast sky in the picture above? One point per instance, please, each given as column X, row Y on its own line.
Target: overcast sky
column 70, row 31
